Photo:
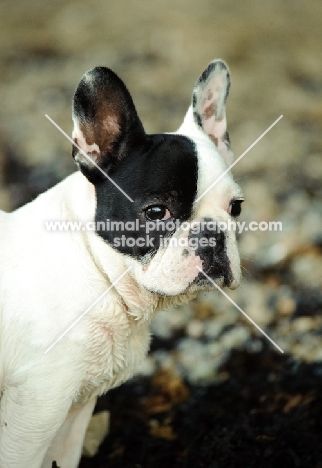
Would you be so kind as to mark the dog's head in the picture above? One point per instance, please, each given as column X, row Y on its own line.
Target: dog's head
column 152, row 203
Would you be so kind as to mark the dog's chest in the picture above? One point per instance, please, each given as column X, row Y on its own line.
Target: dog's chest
column 114, row 350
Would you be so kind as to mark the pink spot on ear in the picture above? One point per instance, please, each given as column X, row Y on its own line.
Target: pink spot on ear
column 111, row 125
column 214, row 139
column 209, row 111
column 209, row 94
column 80, row 140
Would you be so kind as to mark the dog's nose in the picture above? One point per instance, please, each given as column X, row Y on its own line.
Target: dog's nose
column 208, row 241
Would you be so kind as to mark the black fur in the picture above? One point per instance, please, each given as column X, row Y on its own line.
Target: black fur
column 162, row 171
column 102, row 97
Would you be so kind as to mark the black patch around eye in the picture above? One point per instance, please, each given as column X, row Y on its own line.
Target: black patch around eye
column 235, row 208
column 155, row 213
column 162, row 174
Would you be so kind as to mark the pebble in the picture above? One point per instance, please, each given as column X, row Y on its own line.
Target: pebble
column 195, row 328
column 286, row 305
column 303, row 324
column 307, row 270
column 166, row 322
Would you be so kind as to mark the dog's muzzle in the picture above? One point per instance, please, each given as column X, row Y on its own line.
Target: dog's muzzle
column 209, row 243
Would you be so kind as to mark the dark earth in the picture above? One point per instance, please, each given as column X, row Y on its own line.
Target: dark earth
column 266, row 414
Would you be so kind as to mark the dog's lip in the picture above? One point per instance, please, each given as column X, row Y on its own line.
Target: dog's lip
column 226, row 280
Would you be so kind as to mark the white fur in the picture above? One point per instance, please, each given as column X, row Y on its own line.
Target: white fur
column 47, row 279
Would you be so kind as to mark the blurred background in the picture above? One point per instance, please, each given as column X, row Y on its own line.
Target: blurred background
column 207, row 349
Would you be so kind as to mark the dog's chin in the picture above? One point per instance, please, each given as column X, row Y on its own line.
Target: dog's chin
column 204, row 284
column 200, row 284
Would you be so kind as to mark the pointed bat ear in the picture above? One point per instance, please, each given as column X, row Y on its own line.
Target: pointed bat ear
column 209, row 105
column 106, row 124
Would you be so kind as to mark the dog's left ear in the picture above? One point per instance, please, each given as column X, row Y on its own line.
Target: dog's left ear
column 106, row 124
column 209, row 105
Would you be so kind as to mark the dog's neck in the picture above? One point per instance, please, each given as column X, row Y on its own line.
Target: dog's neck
column 140, row 303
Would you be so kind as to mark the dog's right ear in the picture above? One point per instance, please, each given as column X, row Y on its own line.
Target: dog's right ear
column 106, row 124
column 208, row 109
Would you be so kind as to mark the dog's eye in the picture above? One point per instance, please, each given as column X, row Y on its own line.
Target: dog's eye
column 235, row 208
column 157, row 213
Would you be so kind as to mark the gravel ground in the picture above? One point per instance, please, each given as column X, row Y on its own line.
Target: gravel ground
column 212, row 392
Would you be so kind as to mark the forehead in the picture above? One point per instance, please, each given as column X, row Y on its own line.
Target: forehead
column 161, row 164
column 169, row 166
column 167, row 156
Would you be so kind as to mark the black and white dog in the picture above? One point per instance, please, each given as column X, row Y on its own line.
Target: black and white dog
column 49, row 279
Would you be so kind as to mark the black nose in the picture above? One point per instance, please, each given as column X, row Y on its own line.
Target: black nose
column 208, row 242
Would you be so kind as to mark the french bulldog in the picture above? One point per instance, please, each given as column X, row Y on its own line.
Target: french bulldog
column 76, row 304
